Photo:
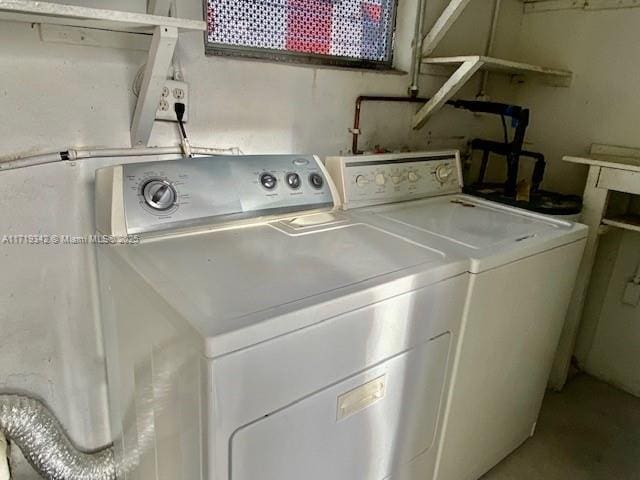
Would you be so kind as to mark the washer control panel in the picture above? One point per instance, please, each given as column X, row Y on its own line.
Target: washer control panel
column 155, row 196
column 387, row 178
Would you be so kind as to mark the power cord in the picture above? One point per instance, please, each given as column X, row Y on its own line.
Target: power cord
column 186, row 148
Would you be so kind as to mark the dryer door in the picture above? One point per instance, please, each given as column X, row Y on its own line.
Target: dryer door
column 362, row 428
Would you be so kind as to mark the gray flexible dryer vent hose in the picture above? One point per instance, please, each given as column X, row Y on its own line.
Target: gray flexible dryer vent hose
column 34, row 429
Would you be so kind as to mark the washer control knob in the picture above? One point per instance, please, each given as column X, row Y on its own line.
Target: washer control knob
column 268, row 181
column 396, row 179
column 361, row 181
column 293, row 180
column 316, row 180
column 380, row 180
column 443, row 172
column 159, row 194
column 413, row 177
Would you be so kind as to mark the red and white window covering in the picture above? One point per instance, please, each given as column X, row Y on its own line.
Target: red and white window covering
column 349, row 29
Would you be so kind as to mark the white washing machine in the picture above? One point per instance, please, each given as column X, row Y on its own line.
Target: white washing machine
column 254, row 333
column 523, row 267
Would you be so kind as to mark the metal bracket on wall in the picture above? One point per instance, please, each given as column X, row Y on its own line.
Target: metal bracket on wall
column 424, row 45
column 155, row 75
column 467, row 66
column 455, row 82
column 462, row 68
column 448, row 17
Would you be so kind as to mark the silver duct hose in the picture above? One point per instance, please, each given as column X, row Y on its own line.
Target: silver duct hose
column 34, row 429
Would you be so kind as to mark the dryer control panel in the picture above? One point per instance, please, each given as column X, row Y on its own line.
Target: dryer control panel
column 364, row 180
column 154, row 196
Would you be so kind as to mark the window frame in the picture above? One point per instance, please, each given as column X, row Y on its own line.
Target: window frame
column 214, row 49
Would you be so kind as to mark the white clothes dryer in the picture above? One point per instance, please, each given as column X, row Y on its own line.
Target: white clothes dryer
column 255, row 333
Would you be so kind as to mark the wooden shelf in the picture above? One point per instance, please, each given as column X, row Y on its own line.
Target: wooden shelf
column 466, row 66
column 626, row 222
column 58, row 14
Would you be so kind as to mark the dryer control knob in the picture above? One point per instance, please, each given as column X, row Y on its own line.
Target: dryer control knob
column 159, row 194
column 316, row 180
column 268, row 181
column 380, row 180
column 293, row 180
column 413, row 177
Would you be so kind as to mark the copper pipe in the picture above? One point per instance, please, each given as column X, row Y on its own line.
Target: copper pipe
column 375, row 98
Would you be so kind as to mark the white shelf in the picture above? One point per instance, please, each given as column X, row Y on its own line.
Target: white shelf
column 466, row 66
column 58, row 14
column 164, row 29
column 535, row 6
column 607, row 161
column 609, row 156
column 502, row 66
column 626, row 222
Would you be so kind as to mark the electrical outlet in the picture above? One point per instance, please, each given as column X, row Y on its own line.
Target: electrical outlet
column 178, row 93
column 172, row 93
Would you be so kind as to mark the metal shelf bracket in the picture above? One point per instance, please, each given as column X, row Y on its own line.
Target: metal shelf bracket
column 160, row 55
column 448, row 17
column 447, row 91
column 163, row 28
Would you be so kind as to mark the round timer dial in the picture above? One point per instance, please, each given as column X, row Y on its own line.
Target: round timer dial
column 159, row 194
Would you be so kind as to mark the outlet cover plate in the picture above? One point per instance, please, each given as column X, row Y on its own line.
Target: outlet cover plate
column 173, row 92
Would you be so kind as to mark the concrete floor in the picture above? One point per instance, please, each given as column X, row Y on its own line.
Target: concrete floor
column 590, row 431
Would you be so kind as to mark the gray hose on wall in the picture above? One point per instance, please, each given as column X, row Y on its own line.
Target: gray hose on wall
column 34, row 429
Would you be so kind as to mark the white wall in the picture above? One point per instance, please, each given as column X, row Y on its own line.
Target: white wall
column 55, row 96
column 601, row 48
column 614, row 351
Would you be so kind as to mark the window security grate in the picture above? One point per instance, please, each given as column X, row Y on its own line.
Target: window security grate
column 349, row 32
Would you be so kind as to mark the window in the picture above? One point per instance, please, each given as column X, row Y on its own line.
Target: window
column 356, row 33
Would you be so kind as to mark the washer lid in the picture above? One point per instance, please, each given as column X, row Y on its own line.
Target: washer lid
column 240, row 286
column 488, row 232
